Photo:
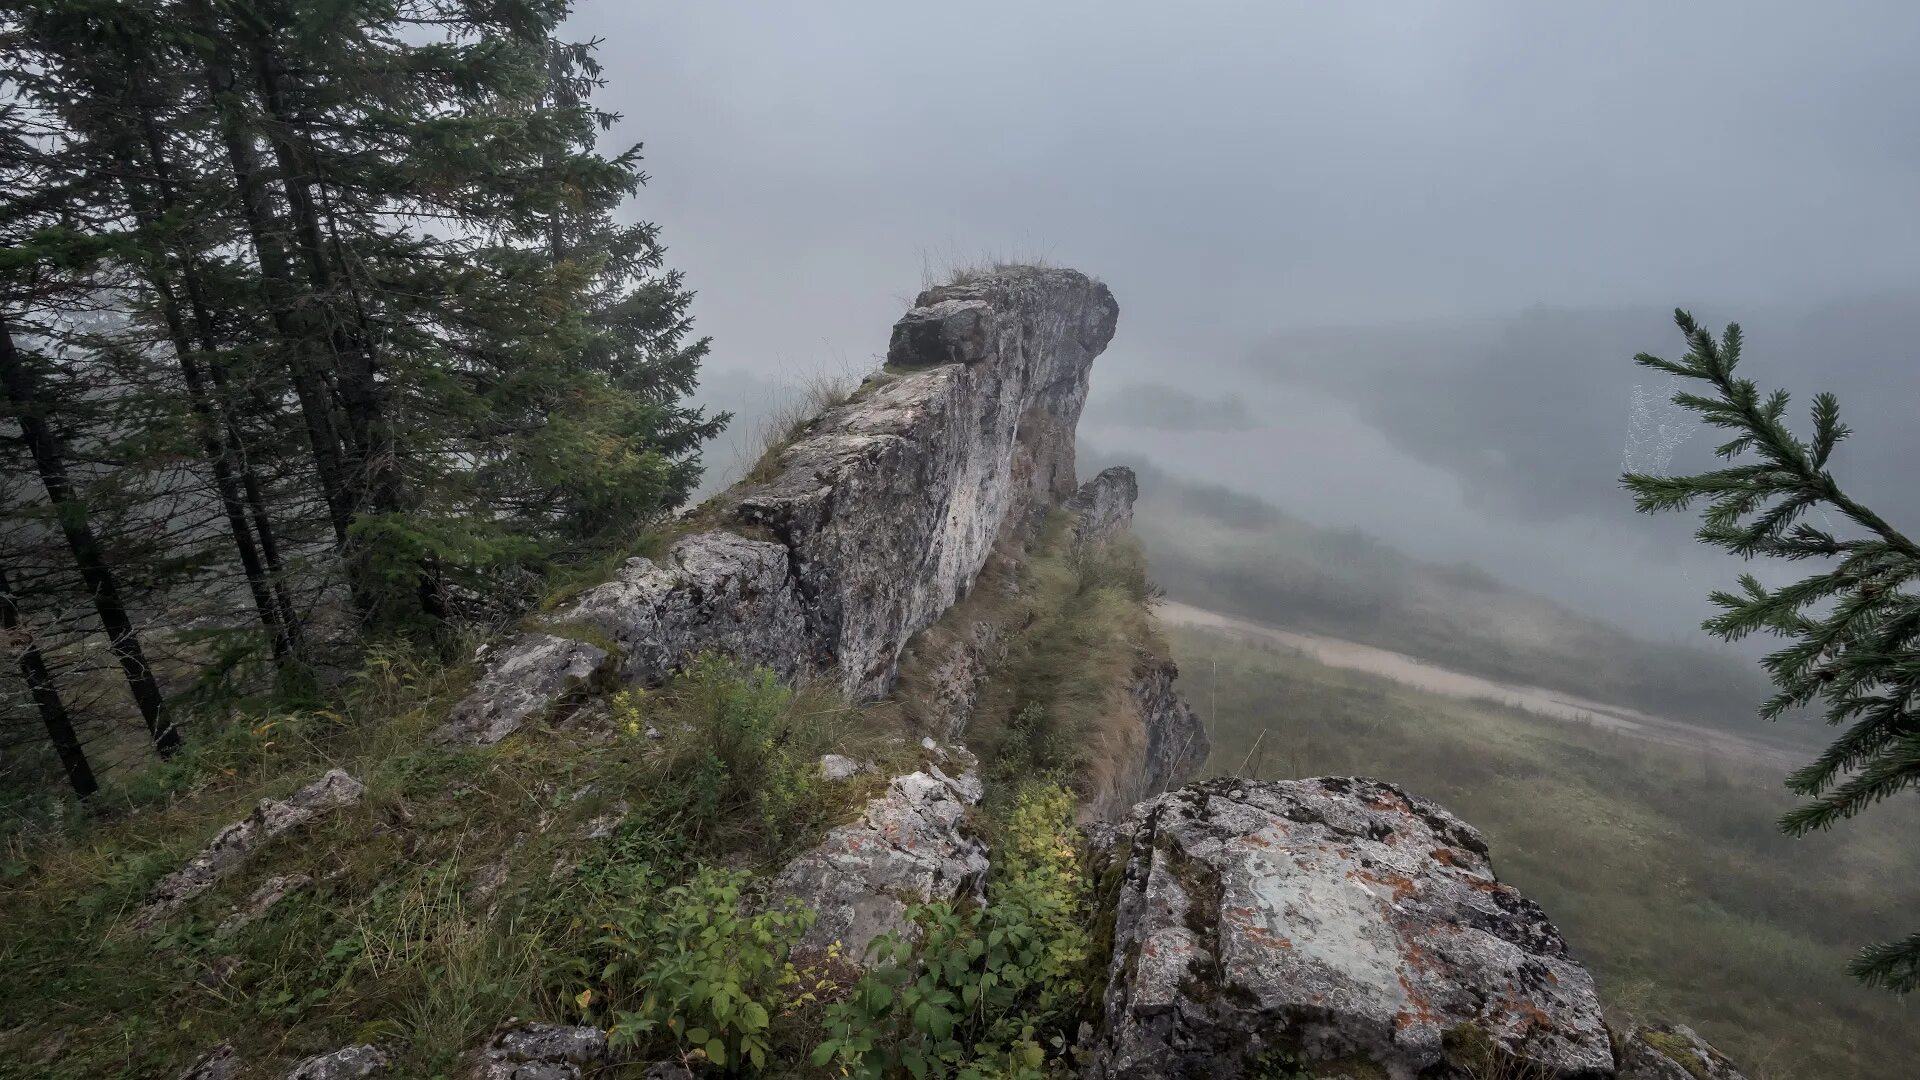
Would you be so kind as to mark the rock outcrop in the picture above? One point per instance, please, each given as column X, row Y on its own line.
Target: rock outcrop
column 348, row 1063
column 1327, row 923
column 880, row 515
column 536, row 1051
column 232, row 846
column 914, row 844
column 1102, row 508
column 1673, row 1053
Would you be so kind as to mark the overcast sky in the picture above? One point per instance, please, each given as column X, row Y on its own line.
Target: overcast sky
column 1381, row 263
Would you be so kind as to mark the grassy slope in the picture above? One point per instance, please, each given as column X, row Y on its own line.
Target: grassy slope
column 1662, row 868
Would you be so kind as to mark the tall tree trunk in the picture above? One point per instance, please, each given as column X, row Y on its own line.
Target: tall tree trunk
column 276, row 272
column 46, row 696
column 49, row 458
column 227, row 455
column 377, row 473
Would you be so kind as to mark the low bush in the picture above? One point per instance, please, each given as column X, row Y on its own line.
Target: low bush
column 982, row 992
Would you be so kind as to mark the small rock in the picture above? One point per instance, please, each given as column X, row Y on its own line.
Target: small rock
column 349, row 1063
column 914, row 844
column 837, row 767
column 602, row 827
column 219, row 1063
column 275, row 889
column 233, row 845
column 1673, row 1052
column 534, row 1051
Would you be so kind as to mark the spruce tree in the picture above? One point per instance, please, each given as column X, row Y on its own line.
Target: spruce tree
column 1852, row 630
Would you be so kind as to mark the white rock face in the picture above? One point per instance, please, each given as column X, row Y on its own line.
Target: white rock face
column 915, row 844
column 1339, row 921
column 232, row 846
column 883, row 512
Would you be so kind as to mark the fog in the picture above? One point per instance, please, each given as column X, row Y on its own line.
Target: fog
column 1381, row 264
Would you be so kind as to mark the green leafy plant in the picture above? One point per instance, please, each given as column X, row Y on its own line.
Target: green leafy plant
column 693, row 975
column 982, row 992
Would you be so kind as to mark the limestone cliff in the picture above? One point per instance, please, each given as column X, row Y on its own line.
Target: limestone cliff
column 881, row 514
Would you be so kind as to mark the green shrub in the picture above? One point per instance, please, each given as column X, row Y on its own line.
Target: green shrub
column 984, row 992
column 691, row 975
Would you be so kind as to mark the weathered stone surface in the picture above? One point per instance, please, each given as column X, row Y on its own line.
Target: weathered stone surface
column 271, row 892
column 1673, row 1052
column 534, row 1051
column 839, row 767
column 349, row 1063
column 713, row 590
column 1167, row 745
column 231, row 846
column 884, row 510
column 891, row 503
column 914, row 844
column 1177, row 743
column 1337, row 920
column 1102, row 508
column 219, row 1063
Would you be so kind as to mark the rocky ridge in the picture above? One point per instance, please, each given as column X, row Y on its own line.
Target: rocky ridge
column 1336, row 927
column 881, row 514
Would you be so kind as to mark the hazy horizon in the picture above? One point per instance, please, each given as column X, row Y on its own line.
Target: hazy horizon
column 1411, row 246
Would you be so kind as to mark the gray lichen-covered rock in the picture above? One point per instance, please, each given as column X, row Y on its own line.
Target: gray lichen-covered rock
column 270, row 892
column 1102, row 508
column 714, row 590
column 882, row 512
column 914, row 844
column 1673, row 1053
column 1177, row 743
column 219, row 1063
column 1167, row 745
column 534, row 1051
column 1339, row 922
column 892, row 502
column 348, row 1063
column 232, row 846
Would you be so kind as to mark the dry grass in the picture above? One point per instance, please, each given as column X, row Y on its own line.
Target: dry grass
column 952, row 268
column 803, row 401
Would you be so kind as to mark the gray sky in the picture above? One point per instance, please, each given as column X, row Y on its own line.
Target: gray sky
column 1395, row 255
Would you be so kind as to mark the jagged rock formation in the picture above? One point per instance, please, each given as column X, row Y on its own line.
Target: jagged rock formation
column 1175, row 743
column 1326, row 923
column 1673, row 1053
column 1102, row 508
column 881, row 514
column 232, row 846
column 914, row 844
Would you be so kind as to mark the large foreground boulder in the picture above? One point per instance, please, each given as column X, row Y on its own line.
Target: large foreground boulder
column 1335, row 925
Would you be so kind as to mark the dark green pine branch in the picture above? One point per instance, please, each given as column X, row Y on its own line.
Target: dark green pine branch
column 1851, row 631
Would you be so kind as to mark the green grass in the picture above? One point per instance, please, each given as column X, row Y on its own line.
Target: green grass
column 395, row 940
column 1662, row 867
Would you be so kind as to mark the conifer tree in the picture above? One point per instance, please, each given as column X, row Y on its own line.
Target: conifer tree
column 1852, row 630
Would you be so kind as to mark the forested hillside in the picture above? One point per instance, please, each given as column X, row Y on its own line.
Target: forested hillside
column 321, row 325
